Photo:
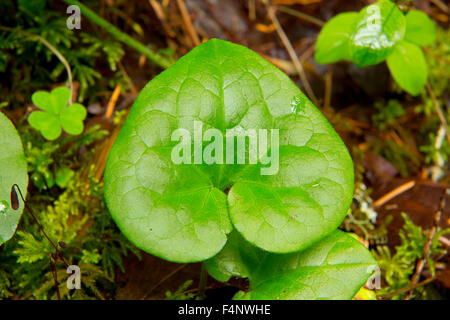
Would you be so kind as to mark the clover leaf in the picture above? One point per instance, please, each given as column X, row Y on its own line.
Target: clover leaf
column 55, row 114
column 184, row 212
column 334, row 268
column 13, row 170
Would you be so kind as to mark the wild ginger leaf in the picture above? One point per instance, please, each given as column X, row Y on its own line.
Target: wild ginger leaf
column 408, row 67
column 13, row 170
column 183, row 212
column 420, row 29
column 334, row 268
column 334, row 41
column 378, row 28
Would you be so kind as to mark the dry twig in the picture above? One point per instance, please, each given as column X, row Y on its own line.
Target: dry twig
column 112, row 102
column 164, row 279
column 408, row 288
column 188, row 22
column 287, row 44
column 426, row 249
column 394, row 193
column 439, row 111
column 301, row 15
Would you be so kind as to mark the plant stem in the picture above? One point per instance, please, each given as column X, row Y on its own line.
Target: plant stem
column 202, row 282
column 301, row 15
column 123, row 37
column 426, row 249
column 439, row 111
column 51, row 48
column 287, row 44
column 15, row 186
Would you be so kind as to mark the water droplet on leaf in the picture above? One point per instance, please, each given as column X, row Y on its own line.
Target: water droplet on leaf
column 298, row 104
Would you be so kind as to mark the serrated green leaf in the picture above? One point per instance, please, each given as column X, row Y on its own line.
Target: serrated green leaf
column 181, row 212
column 408, row 67
column 333, row 268
column 420, row 28
column 334, row 41
column 72, row 118
column 13, row 170
column 47, row 123
column 378, row 28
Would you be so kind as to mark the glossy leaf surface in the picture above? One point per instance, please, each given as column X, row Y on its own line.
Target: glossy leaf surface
column 183, row 212
column 378, row 28
column 334, row 268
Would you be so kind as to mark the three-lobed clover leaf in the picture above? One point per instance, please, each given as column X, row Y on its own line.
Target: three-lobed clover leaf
column 184, row 212
column 55, row 114
column 377, row 33
column 333, row 268
column 13, row 170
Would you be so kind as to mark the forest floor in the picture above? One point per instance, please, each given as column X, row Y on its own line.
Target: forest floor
column 400, row 153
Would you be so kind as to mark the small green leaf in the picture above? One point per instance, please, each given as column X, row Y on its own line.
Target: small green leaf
column 333, row 268
column 53, row 102
column 56, row 114
column 378, row 28
column 181, row 212
column 420, row 28
column 333, row 43
column 13, row 170
column 63, row 177
column 47, row 123
column 72, row 118
column 408, row 67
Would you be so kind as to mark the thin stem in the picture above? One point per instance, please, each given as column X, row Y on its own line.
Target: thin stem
column 91, row 15
column 164, row 279
column 406, row 289
column 287, row 44
column 426, row 249
column 202, row 282
column 301, row 15
column 55, row 276
column 51, row 48
column 438, row 111
column 40, row 226
column 187, row 21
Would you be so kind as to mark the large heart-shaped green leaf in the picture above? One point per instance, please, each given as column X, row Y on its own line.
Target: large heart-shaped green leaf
column 183, row 212
column 13, row 170
column 378, row 28
column 333, row 268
